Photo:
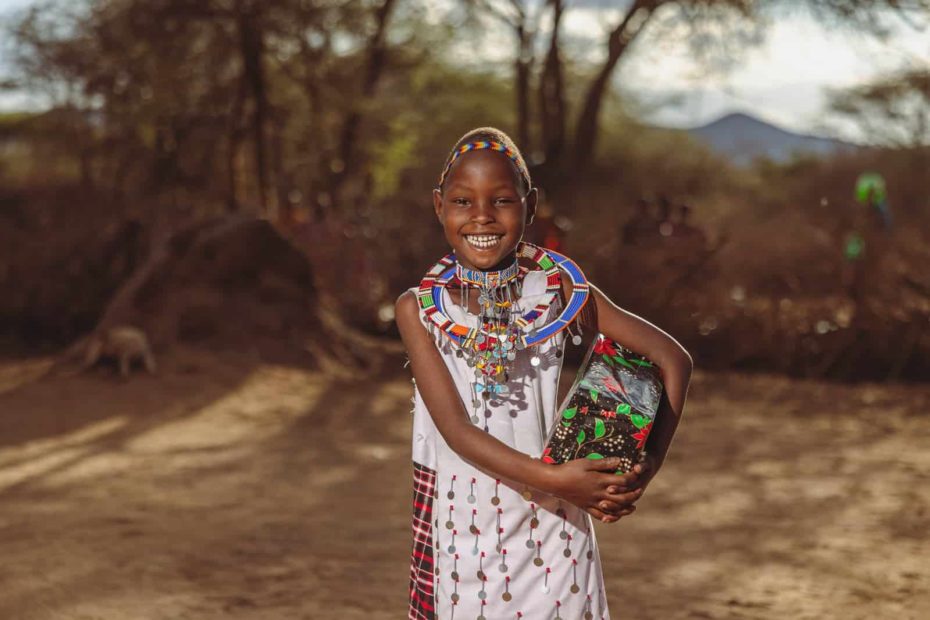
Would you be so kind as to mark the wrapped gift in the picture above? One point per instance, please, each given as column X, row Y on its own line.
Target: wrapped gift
column 610, row 408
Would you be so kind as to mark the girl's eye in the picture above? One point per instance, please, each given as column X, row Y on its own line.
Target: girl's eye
column 503, row 201
column 460, row 201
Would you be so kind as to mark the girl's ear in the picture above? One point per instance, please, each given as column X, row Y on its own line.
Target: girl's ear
column 532, row 198
column 437, row 203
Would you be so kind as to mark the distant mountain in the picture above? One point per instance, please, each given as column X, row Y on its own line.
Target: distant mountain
column 744, row 138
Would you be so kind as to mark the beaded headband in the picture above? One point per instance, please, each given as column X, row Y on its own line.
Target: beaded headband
column 478, row 145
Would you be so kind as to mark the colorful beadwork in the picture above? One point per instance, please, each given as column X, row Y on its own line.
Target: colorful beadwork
column 487, row 279
column 478, row 145
column 439, row 276
column 503, row 327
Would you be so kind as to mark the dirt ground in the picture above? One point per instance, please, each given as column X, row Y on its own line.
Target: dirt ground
column 226, row 488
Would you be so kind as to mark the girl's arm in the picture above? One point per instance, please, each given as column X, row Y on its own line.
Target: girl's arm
column 673, row 361
column 582, row 482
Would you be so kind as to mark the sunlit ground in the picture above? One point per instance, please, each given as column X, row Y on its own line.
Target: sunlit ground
column 224, row 489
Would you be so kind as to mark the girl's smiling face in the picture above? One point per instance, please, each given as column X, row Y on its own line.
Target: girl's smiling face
column 484, row 209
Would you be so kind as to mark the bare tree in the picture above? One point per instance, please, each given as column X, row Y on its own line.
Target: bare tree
column 551, row 94
column 892, row 112
column 522, row 18
column 871, row 16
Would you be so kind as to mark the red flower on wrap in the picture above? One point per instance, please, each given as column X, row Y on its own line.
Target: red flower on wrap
column 641, row 435
column 545, row 456
column 611, row 384
column 603, row 346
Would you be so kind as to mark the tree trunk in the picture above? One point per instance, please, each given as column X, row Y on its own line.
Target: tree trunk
column 617, row 44
column 552, row 110
column 523, row 65
column 234, row 133
column 251, row 40
column 374, row 67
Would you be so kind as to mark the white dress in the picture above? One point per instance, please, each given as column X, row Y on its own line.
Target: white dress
column 488, row 548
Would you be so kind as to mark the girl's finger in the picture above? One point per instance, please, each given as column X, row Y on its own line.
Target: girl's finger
column 609, row 464
column 610, row 507
column 622, row 498
column 615, row 513
column 624, row 480
column 613, row 489
column 601, row 516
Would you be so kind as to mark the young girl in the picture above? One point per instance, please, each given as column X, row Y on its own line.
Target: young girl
column 498, row 533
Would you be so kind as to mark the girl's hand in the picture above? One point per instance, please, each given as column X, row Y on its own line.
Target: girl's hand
column 637, row 479
column 586, row 483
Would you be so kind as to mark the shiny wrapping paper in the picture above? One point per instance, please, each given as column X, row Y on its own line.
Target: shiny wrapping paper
column 610, row 408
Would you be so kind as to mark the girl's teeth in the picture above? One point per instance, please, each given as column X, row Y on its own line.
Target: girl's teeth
column 483, row 241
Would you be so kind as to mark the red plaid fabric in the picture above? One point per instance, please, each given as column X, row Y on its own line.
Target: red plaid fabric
column 422, row 601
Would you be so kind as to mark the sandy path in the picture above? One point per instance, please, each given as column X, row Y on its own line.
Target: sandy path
column 236, row 490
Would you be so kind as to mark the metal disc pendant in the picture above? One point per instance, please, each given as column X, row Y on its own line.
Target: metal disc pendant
column 474, row 550
column 534, row 523
column 498, row 547
column 471, row 499
column 449, row 525
column 538, row 561
column 506, row 596
column 451, row 494
column 495, row 500
column 588, row 615
column 527, row 494
column 451, row 548
column 473, row 529
column 455, row 597
column 574, row 589
column 455, row 576
column 481, row 575
column 534, row 361
column 590, row 554
column 576, row 340
column 567, row 553
column 530, row 544
column 482, row 595
column 545, row 589
column 563, row 535
column 502, row 568
column 474, row 419
column 458, row 353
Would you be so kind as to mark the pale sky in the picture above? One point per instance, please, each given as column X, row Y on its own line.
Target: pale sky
column 783, row 81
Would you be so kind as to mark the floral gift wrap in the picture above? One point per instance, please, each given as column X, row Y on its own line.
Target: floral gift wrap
column 609, row 410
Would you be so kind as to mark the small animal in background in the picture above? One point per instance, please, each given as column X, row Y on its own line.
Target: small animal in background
column 123, row 343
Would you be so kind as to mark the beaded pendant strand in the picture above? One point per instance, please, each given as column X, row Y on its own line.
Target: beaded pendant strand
column 504, row 328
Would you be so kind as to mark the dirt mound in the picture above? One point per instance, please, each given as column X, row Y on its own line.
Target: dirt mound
column 228, row 283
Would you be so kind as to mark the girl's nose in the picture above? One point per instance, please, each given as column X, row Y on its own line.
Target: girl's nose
column 483, row 212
